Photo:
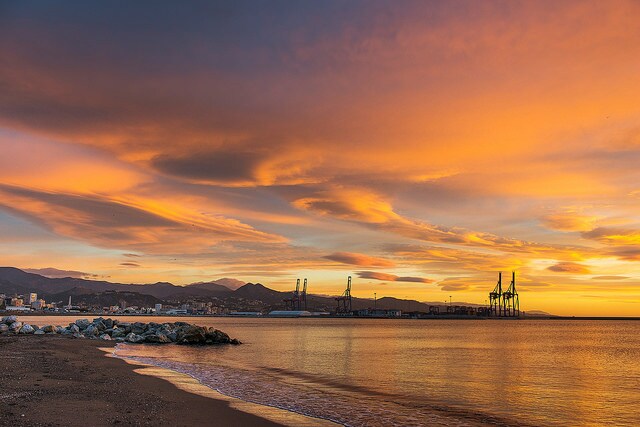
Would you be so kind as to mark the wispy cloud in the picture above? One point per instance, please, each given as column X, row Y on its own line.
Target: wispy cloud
column 359, row 260
column 376, row 275
column 569, row 267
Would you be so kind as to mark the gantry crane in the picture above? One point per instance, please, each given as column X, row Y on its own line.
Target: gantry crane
column 495, row 299
column 293, row 302
column 510, row 299
column 344, row 301
column 303, row 298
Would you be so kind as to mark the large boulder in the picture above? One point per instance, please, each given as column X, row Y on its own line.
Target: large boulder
column 82, row 323
column 73, row 328
column 91, row 331
column 214, row 336
column 15, row 327
column 125, row 325
column 26, row 329
column 59, row 329
column 139, row 328
column 108, row 323
column 118, row 332
column 99, row 324
column 39, row 332
column 4, row 328
column 133, row 338
column 158, row 338
column 7, row 320
column 105, row 337
column 191, row 335
column 49, row 329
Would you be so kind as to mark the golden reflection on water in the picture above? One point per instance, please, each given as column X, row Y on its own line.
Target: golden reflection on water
column 546, row 372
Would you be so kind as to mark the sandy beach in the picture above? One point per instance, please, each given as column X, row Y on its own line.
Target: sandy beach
column 57, row 381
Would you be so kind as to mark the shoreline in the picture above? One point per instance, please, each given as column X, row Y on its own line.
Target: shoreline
column 58, row 381
column 203, row 316
column 191, row 384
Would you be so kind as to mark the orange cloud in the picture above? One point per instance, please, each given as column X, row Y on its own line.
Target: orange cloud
column 367, row 208
column 568, row 221
column 614, row 236
column 391, row 277
column 359, row 260
column 112, row 223
column 569, row 267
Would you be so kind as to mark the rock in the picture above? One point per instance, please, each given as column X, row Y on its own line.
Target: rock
column 91, row 331
column 180, row 324
column 8, row 320
column 139, row 328
column 133, row 338
column 26, row 329
column 83, row 323
column 138, row 332
column 215, row 336
column 235, row 341
column 49, row 329
column 191, row 335
column 100, row 326
column 157, row 339
column 118, row 332
column 126, row 326
column 15, row 327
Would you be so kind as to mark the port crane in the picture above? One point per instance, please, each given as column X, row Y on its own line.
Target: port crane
column 293, row 302
column 298, row 299
column 495, row 299
column 303, row 297
column 510, row 299
column 507, row 303
column 344, row 301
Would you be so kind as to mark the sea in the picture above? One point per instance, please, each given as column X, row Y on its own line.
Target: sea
column 385, row 372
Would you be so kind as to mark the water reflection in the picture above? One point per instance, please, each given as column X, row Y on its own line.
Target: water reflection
column 372, row 372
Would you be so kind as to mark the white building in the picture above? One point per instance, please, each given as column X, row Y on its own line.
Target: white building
column 33, row 297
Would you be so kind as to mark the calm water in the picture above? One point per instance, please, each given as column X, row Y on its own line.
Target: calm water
column 366, row 372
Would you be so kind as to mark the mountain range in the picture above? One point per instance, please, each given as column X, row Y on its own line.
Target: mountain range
column 16, row 281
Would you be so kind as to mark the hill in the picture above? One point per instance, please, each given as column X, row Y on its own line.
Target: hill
column 14, row 280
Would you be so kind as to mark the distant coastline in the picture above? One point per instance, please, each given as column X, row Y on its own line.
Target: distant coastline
column 441, row 317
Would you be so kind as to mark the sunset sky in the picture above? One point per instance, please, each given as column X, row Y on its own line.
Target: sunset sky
column 420, row 147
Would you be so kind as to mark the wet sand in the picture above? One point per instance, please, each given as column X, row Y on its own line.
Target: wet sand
column 57, row 381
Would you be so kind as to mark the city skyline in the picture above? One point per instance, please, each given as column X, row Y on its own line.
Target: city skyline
column 420, row 149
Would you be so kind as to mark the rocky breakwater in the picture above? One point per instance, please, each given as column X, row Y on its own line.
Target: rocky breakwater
column 131, row 332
